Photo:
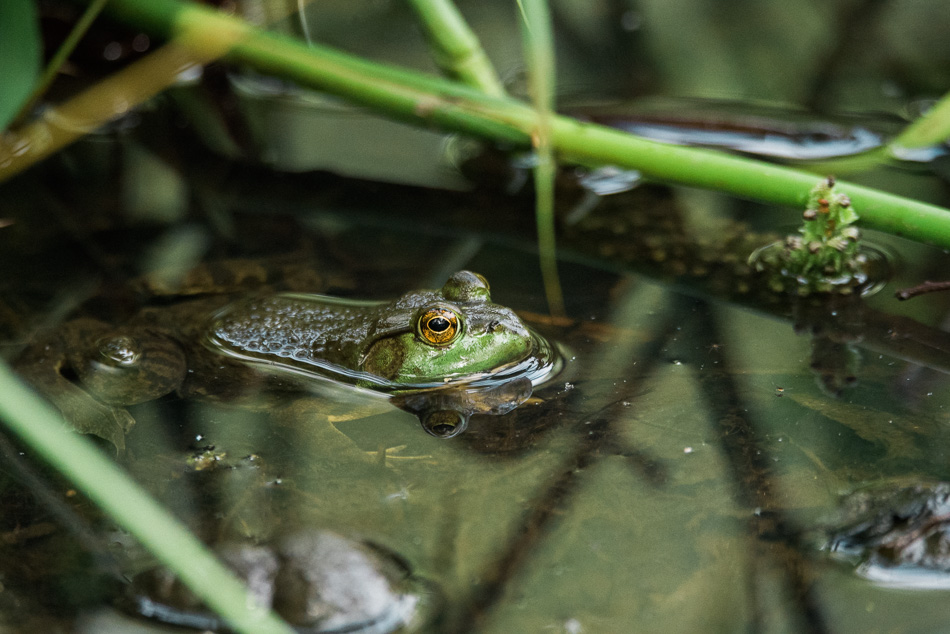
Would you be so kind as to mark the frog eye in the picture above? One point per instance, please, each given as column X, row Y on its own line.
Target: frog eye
column 119, row 351
column 439, row 326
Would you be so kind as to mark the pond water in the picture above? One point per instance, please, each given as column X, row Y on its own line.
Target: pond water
column 677, row 474
column 711, row 456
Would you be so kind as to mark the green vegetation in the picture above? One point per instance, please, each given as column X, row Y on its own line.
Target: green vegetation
column 539, row 53
column 455, row 47
column 930, row 129
column 826, row 257
column 43, row 429
column 429, row 101
column 433, row 101
column 473, row 102
column 19, row 55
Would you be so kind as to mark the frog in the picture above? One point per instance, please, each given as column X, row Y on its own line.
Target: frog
column 895, row 531
column 315, row 579
column 453, row 341
column 421, row 339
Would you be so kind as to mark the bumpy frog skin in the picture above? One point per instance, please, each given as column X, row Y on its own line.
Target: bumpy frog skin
column 423, row 338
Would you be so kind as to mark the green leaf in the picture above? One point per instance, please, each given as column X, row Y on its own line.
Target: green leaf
column 19, row 55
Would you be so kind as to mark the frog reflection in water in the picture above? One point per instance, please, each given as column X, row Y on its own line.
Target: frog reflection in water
column 469, row 354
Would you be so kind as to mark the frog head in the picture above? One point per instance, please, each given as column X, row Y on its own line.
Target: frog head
column 455, row 332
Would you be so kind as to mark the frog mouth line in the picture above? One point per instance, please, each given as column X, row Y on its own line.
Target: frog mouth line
column 540, row 364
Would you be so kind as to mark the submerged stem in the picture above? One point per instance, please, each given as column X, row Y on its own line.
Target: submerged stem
column 539, row 52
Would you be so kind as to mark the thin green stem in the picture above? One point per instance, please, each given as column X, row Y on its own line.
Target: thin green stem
column 432, row 101
column 456, row 47
column 931, row 128
column 539, row 52
column 31, row 418
column 62, row 54
column 928, row 130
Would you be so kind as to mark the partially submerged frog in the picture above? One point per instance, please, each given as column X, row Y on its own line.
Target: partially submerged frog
column 453, row 342
column 896, row 533
column 422, row 339
column 317, row 580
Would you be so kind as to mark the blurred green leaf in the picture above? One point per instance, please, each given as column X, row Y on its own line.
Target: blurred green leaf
column 19, row 55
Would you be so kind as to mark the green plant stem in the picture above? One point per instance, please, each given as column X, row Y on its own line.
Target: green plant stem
column 457, row 49
column 31, row 418
column 432, row 101
column 62, row 54
column 928, row 130
column 931, row 128
column 539, row 53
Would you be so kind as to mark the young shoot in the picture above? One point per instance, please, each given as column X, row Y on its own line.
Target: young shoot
column 825, row 256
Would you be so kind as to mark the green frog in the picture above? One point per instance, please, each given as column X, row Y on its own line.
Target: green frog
column 453, row 342
column 422, row 339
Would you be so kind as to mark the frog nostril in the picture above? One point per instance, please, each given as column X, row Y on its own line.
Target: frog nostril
column 68, row 372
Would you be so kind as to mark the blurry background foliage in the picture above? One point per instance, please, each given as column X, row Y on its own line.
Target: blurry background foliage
column 19, row 55
column 738, row 49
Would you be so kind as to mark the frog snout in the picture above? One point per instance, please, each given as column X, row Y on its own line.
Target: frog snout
column 512, row 326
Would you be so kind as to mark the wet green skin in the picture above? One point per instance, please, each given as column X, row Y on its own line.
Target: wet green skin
column 384, row 339
column 166, row 349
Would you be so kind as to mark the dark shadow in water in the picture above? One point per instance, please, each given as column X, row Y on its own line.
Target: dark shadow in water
column 39, row 486
column 594, row 438
column 755, row 487
column 52, row 556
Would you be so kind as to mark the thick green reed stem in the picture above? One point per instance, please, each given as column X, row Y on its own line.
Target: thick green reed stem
column 457, row 50
column 433, row 101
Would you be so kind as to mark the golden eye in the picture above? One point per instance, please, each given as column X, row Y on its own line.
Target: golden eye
column 439, row 326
